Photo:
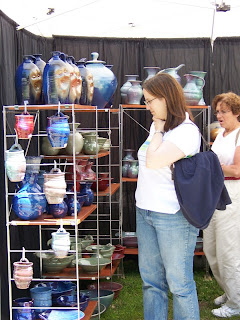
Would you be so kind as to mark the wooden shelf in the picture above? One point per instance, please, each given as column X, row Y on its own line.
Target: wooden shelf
column 46, row 219
column 70, row 273
column 129, row 179
column 79, row 156
column 63, row 107
column 89, row 310
column 114, row 188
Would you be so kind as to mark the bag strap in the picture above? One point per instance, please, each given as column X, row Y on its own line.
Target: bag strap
column 237, row 135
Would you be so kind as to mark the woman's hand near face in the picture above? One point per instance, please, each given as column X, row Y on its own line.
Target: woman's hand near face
column 159, row 124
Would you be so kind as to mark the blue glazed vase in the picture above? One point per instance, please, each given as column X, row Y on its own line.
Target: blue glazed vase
column 58, row 210
column 56, row 80
column 71, row 205
column 28, row 82
column 132, row 171
column 87, row 83
column 104, row 80
column 26, row 313
column 58, row 130
column 28, row 203
column 87, row 192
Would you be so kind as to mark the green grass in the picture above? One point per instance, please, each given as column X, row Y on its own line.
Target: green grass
column 129, row 305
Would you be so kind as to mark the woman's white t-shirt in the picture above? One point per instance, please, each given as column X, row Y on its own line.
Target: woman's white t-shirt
column 224, row 147
column 155, row 187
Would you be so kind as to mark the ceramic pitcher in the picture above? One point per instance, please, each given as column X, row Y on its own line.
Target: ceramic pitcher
column 23, row 273
column 54, row 186
column 173, row 72
column 193, row 92
column 15, row 163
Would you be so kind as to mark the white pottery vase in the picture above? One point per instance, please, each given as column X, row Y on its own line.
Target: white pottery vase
column 60, row 243
column 78, row 140
column 15, row 163
column 54, row 186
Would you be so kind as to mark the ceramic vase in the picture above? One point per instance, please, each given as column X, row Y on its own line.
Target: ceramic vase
column 15, row 163
column 193, row 92
column 135, row 92
column 151, row 71
column 42, row 297
column 56, row 80
column 89, row 173
column 87, row 83
column 41, row 65
column 60, row 243
column 75, row 82
column 28, row 82
column 91, row 145
column 24, row 125
column 200, row 74
column 22, row 273
column 125, row 87
column 26, row 312
column 58, row 130
column 71, row 205
column 104, row 80
column 173, row 72
column 58, row 211
column 54, row 186
column 132, row 171
column 85, row 190
column 47, row 148
column 125, row 167
column 78, row 140
column 128, row 154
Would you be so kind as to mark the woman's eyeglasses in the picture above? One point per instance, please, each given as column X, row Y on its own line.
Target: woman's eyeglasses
column 222, row 112
column 147, row 103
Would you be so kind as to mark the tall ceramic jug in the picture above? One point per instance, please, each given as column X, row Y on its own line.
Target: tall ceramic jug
column 76, row 82
column 193, row 92
column 104, row 80
column 87, row 83
column 124, row 88
column 173, row 72
column 200, row 74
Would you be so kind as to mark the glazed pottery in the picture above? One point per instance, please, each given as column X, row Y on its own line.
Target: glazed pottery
column 71, row 301
column 106, row 296
column 15, row 163
column 151, row 71
column 42, row 297
column 135, row 92
column 47, row 148
column 89, row 173
column 104, row 80
column 51, row 263
column 107, row 285
column 215, row 128
column 110, row 102
column 75, row 82
column 24, row 125
column 54, row 186
column 78, row 140
column 58, row 130
column 85, row 190
column 60, row 243
column 106, row 146
column 59, row 210
column 41, row 65
column 25, row 313
column 92, row 265
column 193, row 92
column 106, row 251
column 87, row 83
column 173, row 72
column 62, row 315
column 71, row 205
column 128, row 154
column 126, row 86
column 200, row 74
column 100, row 308
column 103, row 184
column 125, row 166
column 132, row 171
column 33, row 164
column 91, row 145
column 56, row 80
column 29, row 203
column 101, row 142
column 28, row 82
column 22, row 273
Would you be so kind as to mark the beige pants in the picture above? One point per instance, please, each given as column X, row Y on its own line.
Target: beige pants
column 221, row 245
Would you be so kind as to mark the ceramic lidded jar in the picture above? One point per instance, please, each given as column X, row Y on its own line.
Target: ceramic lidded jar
column 54, row 186
column 58, row 130
column 61, row 243
column 78, row 140
column 15, row 163
column 23, row 273
column 104, row 80
column 24, row 125
column 28, row 82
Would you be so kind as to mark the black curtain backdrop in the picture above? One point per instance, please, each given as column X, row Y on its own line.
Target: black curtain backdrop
column 128, row 56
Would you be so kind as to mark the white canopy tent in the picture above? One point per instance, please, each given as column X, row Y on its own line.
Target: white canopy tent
column 127, row 18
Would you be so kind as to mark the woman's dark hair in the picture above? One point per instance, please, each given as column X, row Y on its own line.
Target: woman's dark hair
column 163, row 85
column 230, row 99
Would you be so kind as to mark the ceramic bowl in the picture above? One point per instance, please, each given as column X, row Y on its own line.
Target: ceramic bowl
column 117, row 256
column 96, row 311
column 105, row 251
column 52, row 264
column 107, row 285
column 61, row 315
column 119, row 249
column 90, row 265
column 103, row 174
column 71, row 301
column 106, row 296
column 130, row 242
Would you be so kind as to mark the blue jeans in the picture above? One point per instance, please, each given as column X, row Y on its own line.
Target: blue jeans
column 166, row 244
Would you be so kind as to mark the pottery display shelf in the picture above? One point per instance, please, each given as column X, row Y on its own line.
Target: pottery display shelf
column 129, row 179
column 79, row 156
column 47, row 219
column 70, row 273
column 114, row 188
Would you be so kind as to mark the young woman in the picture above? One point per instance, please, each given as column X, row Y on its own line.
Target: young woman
column 166, row 240
column 221, row 239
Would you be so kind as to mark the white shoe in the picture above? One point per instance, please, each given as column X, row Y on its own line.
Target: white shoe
column 220, row 300
column 225, row 312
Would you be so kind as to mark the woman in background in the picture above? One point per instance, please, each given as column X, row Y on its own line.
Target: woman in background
column 166, row 240
column 221, row 240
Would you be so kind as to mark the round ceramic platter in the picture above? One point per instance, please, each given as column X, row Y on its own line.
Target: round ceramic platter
column 63, row 315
